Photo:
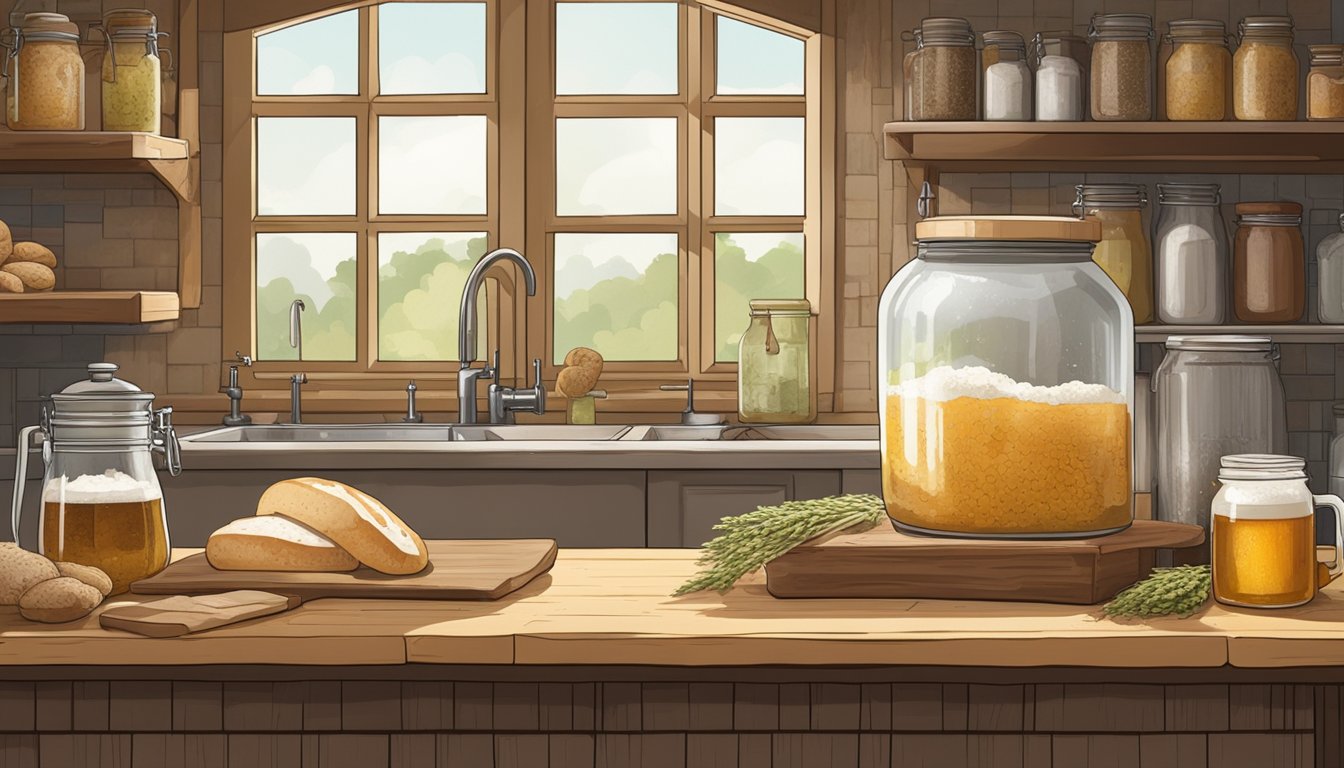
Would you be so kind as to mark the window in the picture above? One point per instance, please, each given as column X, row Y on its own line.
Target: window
column 658, row 161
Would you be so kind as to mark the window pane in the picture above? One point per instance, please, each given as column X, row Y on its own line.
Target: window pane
column 615, row 166
column 431, row 48
column 420, row 281
column 750, row 266
column 616, row 294
column 315, row 57
column 758, row 166
column 752, row 60
column 615, row 48
column 432, row 164
column 306, row 166
column 319, row 268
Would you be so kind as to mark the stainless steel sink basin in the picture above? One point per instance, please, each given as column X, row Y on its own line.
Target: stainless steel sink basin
column 397, row 433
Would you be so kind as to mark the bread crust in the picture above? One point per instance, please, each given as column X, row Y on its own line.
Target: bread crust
column 354, row 520
column 272, row 548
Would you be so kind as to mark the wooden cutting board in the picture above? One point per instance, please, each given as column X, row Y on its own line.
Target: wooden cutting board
column 884, row 563
column 457, row 570
column 181, row 615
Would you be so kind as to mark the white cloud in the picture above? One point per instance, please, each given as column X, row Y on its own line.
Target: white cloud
column 450, row 73
column 616, row 166
column 322, row 79
column 759, row 164
column 432, row 164
column 306, row 166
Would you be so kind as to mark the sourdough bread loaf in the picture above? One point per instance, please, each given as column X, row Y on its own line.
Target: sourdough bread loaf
column 352, row 519
column 274, row 543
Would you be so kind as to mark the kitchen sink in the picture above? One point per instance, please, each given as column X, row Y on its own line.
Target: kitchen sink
column 764, row 432
column 396, row 433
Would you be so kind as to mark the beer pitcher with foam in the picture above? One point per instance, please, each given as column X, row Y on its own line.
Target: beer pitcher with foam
column 101, row 504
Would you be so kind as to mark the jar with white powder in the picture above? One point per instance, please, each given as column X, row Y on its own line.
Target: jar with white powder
column 1192, row 255
column 1008, row 80
column 1330, row 276
column 1061, row 76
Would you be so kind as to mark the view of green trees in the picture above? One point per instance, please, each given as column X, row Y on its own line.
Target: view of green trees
column 320, row 269
column 762, row 266
column 420, row 285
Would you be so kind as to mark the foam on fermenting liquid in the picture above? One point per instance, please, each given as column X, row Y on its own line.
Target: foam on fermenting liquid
column 946, row 383
column 111, row 487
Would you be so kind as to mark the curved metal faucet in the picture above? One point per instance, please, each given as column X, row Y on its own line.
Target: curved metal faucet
column 296, row 381
column 466, row 331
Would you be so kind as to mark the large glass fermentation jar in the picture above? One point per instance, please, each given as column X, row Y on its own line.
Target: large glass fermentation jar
column 1269, row 268
column 1264, row 70
column 941, row 74
column 1198, row 71
column 1192, row 255
column 46, row 75
column 1124, row 251
column 131, row 72
column 1005, row 381
column 774, row 371
column 101, row 504
column 1122, row 67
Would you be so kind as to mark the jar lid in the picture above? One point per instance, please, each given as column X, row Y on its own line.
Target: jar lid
column 1197, row 29
column 101, row 408
column 1338, row 410
column 1018, row 228
column 1188, row 194
column 1121, row 26
column 129, row 22
column 1274, row 25
column 1133, row 196
column 1220, row 343
column 1004, row 39
column 945, row 30
column 787, row 307
column 1262, row 466
column 1326, row 55
column 49, row 26
column 1280, row 208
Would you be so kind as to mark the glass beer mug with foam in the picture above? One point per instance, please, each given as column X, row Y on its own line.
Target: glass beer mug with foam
column 1264, row 533
column 101, row 503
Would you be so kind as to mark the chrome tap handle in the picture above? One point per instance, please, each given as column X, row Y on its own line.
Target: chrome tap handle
column 494, row 364
column 164, row 440
column 246, row 360
column 539, row 401
column 412, row 416
column 296, row 326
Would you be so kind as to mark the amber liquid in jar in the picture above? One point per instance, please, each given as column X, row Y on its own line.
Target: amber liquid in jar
column 1269, row 272
column 128, row 540
column 1268, row 562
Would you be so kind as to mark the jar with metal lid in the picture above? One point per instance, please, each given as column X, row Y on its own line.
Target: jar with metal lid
column 1330, row 276
column 1269, row 267
column 1005, row 381
column 1264, row 70
column 1124, row 251
column 1325, row 83
column 1062, row 61
column 1200, row 420
column 1122, row 66
column 941, row 73
column 774, row 364
column 1337, row 451
column 45, row 75
column 1198, row 71
column 1192, row 255
column 132, row 79
column 1007, row 78
column 101, row 503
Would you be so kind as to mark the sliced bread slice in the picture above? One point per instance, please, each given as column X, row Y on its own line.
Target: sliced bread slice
column 274, row 543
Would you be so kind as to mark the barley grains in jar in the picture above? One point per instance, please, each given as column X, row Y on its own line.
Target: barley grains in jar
column 1269, row 263
column 1124, row 252
column 1264, row 70
column 1006, row 375
column 1198, row 70
column 46, row 75
column 1122, row 67
column 131, row 71
column 941, row 74
column 1325, row 83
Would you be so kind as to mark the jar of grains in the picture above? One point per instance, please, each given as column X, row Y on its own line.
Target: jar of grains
column 1264, row 71
column 131, row 71
column 941, row 73
column 1330, row 276
column 1192, row 255
column 1122, row 66
column 46, row 75
column 1008, row 80
column 1061, row 76
column 1006, row 382
column 1269, row 269
column 1198, row 70
column 1124, row 252
column 1325, row 83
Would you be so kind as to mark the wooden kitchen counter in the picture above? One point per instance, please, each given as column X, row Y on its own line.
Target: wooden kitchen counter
column 611, row 607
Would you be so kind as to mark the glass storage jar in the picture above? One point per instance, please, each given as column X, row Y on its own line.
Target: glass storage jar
column 1192, row 255
column 941, row 74
column 1005, row 380
column 1198, row 71
column 132, row 84
column 1325, row 83
column 774, row 370
column 45, row 75
column 1269, row 269
column 1122, row 67
column 1330, row 276
column 1007, row 78
column 1061, row 76
column 1337, row 451
column 1264, row 70
column 1124, row 251
column 1215, row 395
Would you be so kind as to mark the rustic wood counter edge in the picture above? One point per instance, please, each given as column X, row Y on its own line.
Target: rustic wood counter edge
column 612, row 607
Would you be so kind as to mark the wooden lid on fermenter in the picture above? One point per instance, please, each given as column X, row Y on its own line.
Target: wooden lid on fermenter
column 1020, row 228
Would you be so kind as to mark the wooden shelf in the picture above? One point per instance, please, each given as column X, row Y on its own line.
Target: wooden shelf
column 100, row 152
column 1292, row 334
column 89, row 307
column 1166, row 147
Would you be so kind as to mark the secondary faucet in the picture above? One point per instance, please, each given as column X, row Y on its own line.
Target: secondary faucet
column 236, row 417
column 296, row 381
column 503, row 399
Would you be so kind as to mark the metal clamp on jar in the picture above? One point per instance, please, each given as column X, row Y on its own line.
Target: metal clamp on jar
column 101, row 501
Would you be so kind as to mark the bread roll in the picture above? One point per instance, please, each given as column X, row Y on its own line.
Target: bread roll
column 33, row 252
column 274, row 543
column 35, row 277
column 10, row 283
column 94, row 577
column 59, row 600
column 354, row 520
column 20, row 570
